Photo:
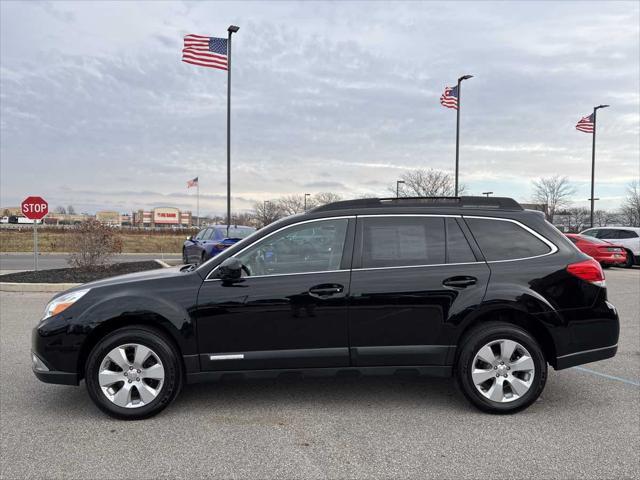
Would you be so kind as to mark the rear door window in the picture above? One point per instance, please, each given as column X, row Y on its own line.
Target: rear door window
column 608, row 234
column 402, row 241
column 622, row 234
column 505, row 240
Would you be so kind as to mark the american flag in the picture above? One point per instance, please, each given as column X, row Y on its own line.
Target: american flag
column 205, row 51
column 586, row 124
column 192, row 183
column 449, row 98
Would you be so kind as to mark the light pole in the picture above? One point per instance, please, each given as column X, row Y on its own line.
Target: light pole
column 486, row 194
column 305, row 200
column 464, row 77
column 264, row 213
column 593, row 159
column 398, row 182
column 232, row 29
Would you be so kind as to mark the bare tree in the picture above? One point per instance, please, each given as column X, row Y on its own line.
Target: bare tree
column 323, row 198
column 554, row 191
column 427, row 183
column 630, row 211
column 575, row 219
column 71, row 210
column 92, row 244
column 292, row 204
column 60, row 209
column 267, row 212
column 602, row 218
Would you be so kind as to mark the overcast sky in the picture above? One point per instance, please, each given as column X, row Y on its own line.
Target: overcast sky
column 98, row 111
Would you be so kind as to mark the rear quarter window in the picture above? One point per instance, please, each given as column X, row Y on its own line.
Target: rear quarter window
column 505, row 240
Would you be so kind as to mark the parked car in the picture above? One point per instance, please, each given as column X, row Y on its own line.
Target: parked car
column 628, row 237
column 475, row 288
column 211, row 241
column 606, row 253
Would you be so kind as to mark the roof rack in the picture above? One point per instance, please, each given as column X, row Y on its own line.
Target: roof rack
column 481, row 203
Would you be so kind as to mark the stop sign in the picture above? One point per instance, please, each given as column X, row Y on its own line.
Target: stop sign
column 34, row 208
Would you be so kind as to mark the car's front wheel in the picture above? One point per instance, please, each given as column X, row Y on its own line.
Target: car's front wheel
column 185, row 260
column 501, row 368
column 133, row 373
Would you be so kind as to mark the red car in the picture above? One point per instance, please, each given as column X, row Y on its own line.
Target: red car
column 604, row 252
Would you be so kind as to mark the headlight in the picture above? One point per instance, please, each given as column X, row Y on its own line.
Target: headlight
column 60, row 304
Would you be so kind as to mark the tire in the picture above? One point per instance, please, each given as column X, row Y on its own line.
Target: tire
column 139, row 394
column 630, row 262
column 185, row 260
column 510, row 388
column 203, row 258
column 606, row 265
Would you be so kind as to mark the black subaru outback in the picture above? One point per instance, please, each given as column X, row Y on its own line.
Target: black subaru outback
column 474, row 288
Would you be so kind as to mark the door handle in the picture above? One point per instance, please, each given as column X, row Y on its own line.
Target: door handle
column 460, row 282
column 325, row 290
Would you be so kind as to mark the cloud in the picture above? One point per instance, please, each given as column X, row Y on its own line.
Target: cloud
column 326, row 96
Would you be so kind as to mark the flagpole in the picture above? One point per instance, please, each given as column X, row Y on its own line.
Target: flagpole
column 464, row 77
column 232, row 29
column 198, row 202
column 593, row 161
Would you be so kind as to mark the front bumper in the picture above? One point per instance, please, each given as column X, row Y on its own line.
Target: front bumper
column 44, row 374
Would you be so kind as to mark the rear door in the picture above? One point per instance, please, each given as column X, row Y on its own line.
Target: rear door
column 413, row 277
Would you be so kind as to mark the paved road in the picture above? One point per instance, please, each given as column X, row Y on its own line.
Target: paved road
column 24, row 261
column 585, row 425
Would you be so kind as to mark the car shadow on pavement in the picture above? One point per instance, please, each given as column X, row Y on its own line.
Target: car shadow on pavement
column 336, row 392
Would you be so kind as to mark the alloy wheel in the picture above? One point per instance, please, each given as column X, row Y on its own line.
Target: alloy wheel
column 131, row 375
column 503, row 370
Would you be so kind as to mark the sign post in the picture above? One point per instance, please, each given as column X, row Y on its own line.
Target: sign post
column 35, row 208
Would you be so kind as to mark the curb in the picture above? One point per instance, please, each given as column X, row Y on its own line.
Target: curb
column 36, row 287
column 50, row 287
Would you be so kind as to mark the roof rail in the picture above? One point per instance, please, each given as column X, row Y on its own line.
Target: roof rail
column 483, row 203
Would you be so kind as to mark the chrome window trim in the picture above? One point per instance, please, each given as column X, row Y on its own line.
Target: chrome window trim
column 208, row 279
column 552, row 246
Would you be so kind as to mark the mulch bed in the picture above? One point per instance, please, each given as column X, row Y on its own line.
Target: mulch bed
column 77, row 275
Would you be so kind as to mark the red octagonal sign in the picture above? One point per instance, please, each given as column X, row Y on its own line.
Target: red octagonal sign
column 35, row 208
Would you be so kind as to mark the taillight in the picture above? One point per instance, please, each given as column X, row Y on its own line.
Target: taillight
column 589, row 271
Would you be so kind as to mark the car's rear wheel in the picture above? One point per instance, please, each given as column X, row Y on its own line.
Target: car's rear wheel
column 133, row 373
column 501, row 368
column 629, row 263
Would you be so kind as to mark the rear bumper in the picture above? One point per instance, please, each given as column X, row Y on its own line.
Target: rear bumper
column 585, row 356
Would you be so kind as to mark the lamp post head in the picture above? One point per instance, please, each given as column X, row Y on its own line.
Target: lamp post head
column 233, row 29
column 400, row 181
column 601, row 106
column 465, row 77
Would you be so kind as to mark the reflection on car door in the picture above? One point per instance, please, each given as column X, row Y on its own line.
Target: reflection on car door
column 409, row 274
column 291, row 311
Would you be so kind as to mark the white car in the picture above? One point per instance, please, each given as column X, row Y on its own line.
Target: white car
column 628, row 237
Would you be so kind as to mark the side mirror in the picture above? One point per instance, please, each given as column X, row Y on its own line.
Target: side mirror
column 230, row 270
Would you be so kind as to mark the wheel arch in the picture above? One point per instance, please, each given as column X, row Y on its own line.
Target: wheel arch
column 156, row 322
column 533, row 324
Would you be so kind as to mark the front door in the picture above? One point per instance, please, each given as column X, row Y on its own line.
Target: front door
column 413, row 276
column 289, row 310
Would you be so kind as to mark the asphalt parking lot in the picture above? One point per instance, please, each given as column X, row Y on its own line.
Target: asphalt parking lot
column 585, row 425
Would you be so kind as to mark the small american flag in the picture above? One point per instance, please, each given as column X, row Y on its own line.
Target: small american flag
column 586, row 124
column 192, row 183
column 205, row 51
column 449, row 98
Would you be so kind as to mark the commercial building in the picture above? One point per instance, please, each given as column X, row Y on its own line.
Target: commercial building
column 162, row 217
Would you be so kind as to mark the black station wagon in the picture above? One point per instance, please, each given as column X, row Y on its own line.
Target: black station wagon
column 471, row 287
